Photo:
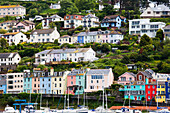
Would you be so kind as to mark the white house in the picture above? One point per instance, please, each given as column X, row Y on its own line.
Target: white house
column 144, row 26
column 56, row 18
column 14, row 82
column 44, row 35
column 9, row 61
column 74, row 55
column 90, row 20
column 67, row 39
column 55, row 6
column 167, row 31
column 156, row 12
column 15, row 37
column 115, row 37
column 36, row 18
column 73, row 21
column 7, row 25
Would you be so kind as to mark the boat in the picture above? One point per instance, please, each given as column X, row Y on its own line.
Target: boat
column 9, row 109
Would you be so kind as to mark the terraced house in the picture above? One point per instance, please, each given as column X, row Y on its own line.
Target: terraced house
column 12, row 10
column 161, row 92
column 76, row 81
column 58, row 55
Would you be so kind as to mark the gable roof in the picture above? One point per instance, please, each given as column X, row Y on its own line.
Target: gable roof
column 9, row 21
column 55, row 16
column 167, row 27
column 87, row 33
column 65, row 36
column 161, row 8
column 26, row 22
column 76, row 72
column 7, row 55
column 146, row 74
column 42, row 31
column 11, row 6
column 14, row 33
column 98, row 71
column 90, row 16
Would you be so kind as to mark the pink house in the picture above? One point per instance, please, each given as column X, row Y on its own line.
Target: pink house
column 97, row 79
column 24, row 26
column 125, row 78
column 36, row 85
column 71, row 82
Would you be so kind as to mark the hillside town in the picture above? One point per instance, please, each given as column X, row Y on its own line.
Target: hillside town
column 59, row 47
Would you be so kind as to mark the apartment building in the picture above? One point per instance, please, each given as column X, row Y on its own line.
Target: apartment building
column 12, row 10
column 144, row 26
column 91, row 20
column 14, row 82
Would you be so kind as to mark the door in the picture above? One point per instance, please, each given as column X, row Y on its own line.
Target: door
column 135, row 98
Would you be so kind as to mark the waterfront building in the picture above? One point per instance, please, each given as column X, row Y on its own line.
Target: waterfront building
column 126, row 78
column 3, row 84
column 97, row 79
column 167, row 89
column 14, row 82
column 45, row 84
column 144, row 26
column 76, row 81
column 161, row 92
column 12, row 10
column 144, row 76
column 150, row 90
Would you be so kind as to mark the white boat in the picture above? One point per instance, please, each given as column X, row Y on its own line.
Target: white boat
column 126, row 110
column 10, row 110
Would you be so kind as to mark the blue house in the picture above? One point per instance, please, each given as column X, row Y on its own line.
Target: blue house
column 167, row 89
column 135, row 90
column 45, row 85
column 27, row 85
column 2, row 85
column 112, row 21
column 80, row 39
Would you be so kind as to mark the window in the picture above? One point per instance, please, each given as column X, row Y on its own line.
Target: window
column 97, row 76
column 48, row 85
column 148, row 86
column 130, row 78
column 91, row 87
column 97, row 81
column 143, row 26
column 71, row 77
column 79, row 82
column 148, row 12
column 157, row 12
column 148, row 97
column 55, row 85
column 60, row 84
column 148, row 92
column 162, row 86
column 91, row 81
column 34, row 85
column 153, row 92
column 71, row 82
column 123, row 78
column 49, row 79
column 134, row 87
column 59, row 79
column 140, row 77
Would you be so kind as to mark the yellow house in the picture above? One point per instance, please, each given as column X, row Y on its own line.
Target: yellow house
column 161, row 92
column 59, row 82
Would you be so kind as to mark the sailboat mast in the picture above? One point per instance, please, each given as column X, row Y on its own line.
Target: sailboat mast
column 103, row 91
column 157, row 93
column 68, row 97
column 106, row 99
column 78, row 95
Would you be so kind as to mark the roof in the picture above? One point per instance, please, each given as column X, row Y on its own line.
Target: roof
column 76, row 72
column 149, row 71
column 87, row 33
column 111, row 16
column 161, row 8
column 11, row 6
column 65, row 36
column 98, row 71
column 7, row 55
column 115, row 32
column 130, row 73
column 44, row 52
column 90, row 16
column 146, row 74
column 42, row 31
column 70, row 50
column 55, row 16
column 10, row 21
column 14, row 33
column 161, row 82
column 167, row 27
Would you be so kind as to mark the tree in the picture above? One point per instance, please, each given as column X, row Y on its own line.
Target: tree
column 52, row 25
column 42, row 67
column 160, row 34
column 105, row 47
column 3, row 31
column 125, row 60
column 33, row 12
column 39, row 26
column 56, row 42
column 3, row 43
column 67, row 7
column 145, row 40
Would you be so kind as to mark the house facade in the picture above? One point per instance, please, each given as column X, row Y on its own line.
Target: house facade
column 156, row 12
column 73, row 21
column 166, row 30
column 65, row 39
column 15, row 37
column 3, row 84
column 161, row 92
column 44, row 35
column 76, row 81
column 167, row 89
column 7, row 25
column 112, row 21
column 55, row 6
column 74, row 55
column 98, row 79
column 126, row 78
column 144, row 26
column 24, row 26
column 12, row 10
column 9, row 61
column 91, row 20
column 150, row 90
column 14, row 82
column 144, row 76
column 45, row 84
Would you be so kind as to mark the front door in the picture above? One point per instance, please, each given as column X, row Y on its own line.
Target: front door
column 135, row 98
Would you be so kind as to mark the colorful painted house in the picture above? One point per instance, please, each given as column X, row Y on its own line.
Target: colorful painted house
column 136, row 90
column 150, row 90
column 144, row 76
column 3, row 84
column 76, row 81
column 126, row 78
column 27, row 85
column 161, row 92
column 45, row 84
column 112, row 21
column 167, row 89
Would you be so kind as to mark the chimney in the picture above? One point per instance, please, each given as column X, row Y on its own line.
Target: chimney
column 52, row 71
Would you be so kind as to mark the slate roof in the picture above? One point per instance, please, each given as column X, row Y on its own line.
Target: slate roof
column 90, row 16
column 65, row 36
column 130, row 73
column 55, row 16
column 98, row 71
column 14, row 33
column 7, row 55
column 87, row 33
column 44, row 52
column 11, row 6
column 9, row 21
column 42, row 31
column 161, row 8
column 146, row 74
column 76, row 71
column 167, row 27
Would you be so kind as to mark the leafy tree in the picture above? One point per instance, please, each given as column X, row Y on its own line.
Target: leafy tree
column 3, row 43
column 3, row 31
column 67, row 7
column 118, row 70
column 145, row 40
column 42, row 67
column 125, row 60
column 160, row 34
column 39, row 26
column 56, row 42
column 105, row 47
column 33, row 12
column 52, row 25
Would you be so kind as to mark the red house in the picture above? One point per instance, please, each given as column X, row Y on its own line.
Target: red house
column 150, row 90
column 144, row 76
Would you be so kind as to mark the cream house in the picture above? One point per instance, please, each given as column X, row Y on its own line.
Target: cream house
column 7, row 25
